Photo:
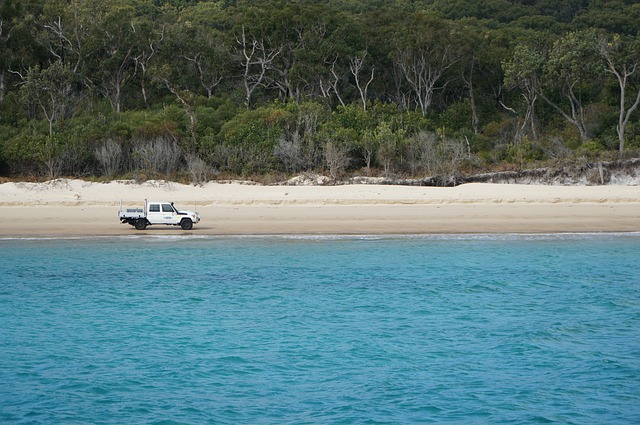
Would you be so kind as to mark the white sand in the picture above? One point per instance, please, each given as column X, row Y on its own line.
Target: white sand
column 75, row 207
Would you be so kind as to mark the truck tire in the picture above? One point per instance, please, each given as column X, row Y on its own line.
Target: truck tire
column 186, row 224
column 141, row 224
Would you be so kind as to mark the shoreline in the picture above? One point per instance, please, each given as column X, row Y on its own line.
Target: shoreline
column 331, row 236
column 79, row 208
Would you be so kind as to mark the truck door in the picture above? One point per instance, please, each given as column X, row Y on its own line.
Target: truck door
column 154, row 214
column 168, row 214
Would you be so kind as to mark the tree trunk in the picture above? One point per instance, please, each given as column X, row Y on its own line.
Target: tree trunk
column 472, row 99
column 3, row 86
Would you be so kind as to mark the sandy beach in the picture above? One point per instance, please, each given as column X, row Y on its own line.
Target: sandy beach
column 80, row 208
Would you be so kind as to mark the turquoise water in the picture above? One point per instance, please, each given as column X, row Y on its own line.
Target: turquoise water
column 317, row 330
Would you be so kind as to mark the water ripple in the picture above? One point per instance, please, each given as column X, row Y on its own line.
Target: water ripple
column 305, row 330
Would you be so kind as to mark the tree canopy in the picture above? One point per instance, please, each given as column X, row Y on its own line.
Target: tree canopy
column 278, row 86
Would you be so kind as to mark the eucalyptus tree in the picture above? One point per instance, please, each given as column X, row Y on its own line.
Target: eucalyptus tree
column 18, row 47
column 95, row 40
column 282, row 30
column 199, row 49
column 115, row 46
column 622, row 60
column 499, row 10
column 474, row 66
column 321, row 55
column 66, row 31
column 562, row 10
column 424, row 50
column 3, row 80
column 49, row 92
column 149, row 40
column 357, row 66
column 523, row 72
column 573, row 71
column 282, row 49
column 256, row 58
column 165, row 75
column 197, row 58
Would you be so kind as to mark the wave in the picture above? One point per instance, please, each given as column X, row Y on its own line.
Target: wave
column 331, row 237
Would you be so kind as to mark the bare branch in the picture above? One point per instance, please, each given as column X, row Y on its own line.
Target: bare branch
column 422, row 70
column 255, row 54
column 508, row 108
column 333, row 85
column 355, row 65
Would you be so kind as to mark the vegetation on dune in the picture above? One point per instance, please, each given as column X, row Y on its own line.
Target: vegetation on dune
column 188, row 89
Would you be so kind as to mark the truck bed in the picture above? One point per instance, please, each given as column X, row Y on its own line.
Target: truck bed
column 132, row 213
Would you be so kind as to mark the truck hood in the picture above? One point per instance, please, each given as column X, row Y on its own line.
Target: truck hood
column 195, row 216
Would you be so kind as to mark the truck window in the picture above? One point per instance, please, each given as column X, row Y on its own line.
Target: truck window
column 154, row 208
column 167, row 208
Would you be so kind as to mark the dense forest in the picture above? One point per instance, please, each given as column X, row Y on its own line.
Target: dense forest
column 194, row 89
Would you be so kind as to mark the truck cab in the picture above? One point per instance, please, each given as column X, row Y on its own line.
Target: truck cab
column 161, row 213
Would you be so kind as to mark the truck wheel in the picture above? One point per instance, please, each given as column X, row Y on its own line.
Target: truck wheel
column 186, row 224
column 141, row 224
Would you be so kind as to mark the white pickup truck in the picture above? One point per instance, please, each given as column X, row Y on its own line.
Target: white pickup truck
column 158, row 212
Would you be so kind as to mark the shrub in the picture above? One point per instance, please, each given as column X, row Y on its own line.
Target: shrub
column 109, row 156
column 160, row 156
column 198, row 169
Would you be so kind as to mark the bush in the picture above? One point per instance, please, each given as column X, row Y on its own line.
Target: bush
column 591, row 149
column 159, row 156
column 433, row 154
column 198, row 169
column 336, row 155
column 109, row 156
column 246, row 143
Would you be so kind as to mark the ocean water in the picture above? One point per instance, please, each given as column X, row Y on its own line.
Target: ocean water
column 473, row 329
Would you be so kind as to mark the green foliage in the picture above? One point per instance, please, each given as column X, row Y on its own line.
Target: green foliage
column 591, row 149
column 74, row 74
column 524, row 152
column 246, row 143
column 456, row 117
column 614, row 16
column 524, row 68
column 500, row 10
column 574, row 57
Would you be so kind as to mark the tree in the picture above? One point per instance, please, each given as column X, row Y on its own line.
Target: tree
column 523, row 71
column 356, row 65
column 50, row 91
column 622, row 59
column 573, row 70
column 186, row 100
column 318, row 71
column 148, row 43
column 387, row 143
column 200, row 55
column 67, row 28
column 369, row 145
column 299, row 147
column 424, row 51
column 255, row 58
column 116, row 44
column 468, row 81
column 336, row 155
column 330, row 85
column 479, row 71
